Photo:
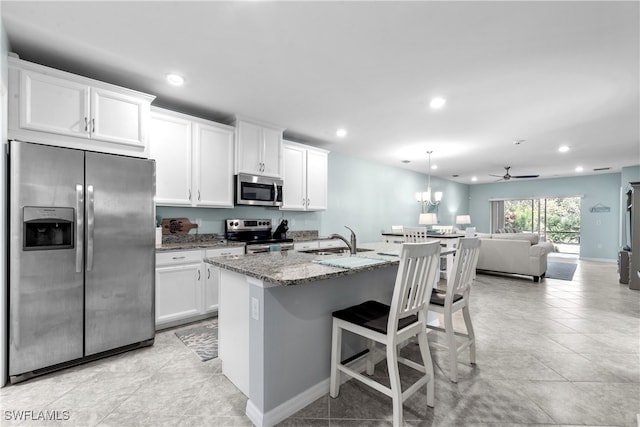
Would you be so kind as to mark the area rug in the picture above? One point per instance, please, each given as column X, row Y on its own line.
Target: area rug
column 560, row 270
column 203, row 339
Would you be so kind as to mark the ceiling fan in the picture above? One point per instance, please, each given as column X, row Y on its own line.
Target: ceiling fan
column 507, row 176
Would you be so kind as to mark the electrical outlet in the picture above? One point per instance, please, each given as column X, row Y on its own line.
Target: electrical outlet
column 255, row 308
column 199, row 222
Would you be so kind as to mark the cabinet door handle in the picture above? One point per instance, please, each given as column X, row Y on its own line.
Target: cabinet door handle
column 304, row 201
column 198, row 274
column 308, row 202
column 86, row 124
column 93, row 125
column 189, row 194
column 208, row 273
column 178, row 257
column 198, row 195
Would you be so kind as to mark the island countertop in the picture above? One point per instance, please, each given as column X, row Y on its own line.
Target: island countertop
column 295, row 268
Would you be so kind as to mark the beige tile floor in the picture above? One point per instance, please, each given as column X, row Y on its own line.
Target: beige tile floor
column 553, row 353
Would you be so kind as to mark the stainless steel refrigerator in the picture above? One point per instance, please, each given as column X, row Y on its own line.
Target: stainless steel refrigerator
column 81, row 256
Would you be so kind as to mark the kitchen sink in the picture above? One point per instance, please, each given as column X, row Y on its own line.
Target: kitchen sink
column 332, row 251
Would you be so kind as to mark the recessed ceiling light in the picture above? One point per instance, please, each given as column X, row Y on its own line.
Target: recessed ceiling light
column 579, row 169
column 474, row 178
column 341, row 133
column 175, row 79
column 437, row 102
column 434, row 167
column 563, row 148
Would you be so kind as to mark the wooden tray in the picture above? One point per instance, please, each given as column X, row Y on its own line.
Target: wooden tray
column 177, row 226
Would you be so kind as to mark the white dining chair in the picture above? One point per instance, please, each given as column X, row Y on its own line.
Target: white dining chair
column 414, row 234
column 391, row 325
column 455, row 298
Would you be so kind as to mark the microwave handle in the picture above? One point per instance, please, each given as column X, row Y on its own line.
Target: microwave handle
column 275, row 187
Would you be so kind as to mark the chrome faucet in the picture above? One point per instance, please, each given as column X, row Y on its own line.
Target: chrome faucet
column 352, row 245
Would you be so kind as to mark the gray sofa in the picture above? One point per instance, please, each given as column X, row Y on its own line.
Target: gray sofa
column 514, row 253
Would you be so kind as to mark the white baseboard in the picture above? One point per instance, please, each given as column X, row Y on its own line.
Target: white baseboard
column 599, row 259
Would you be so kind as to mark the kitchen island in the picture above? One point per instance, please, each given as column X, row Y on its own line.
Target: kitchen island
column 274, row 321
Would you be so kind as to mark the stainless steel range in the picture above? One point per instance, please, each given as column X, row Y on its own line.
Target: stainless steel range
column 256, row 233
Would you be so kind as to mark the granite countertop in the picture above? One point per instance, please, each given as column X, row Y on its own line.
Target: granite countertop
column 178, row 242
column 296, row 268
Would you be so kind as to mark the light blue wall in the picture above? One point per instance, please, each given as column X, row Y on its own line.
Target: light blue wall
column 599, row 231
column 630, row 174
column 363, row 195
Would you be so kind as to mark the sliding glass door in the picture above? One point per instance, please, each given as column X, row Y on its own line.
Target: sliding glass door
column 555, row 219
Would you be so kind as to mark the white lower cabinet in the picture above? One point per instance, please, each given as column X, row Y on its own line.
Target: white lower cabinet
column 187, row 287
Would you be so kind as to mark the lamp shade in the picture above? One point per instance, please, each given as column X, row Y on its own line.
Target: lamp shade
column 428, row 219
column 463, row 219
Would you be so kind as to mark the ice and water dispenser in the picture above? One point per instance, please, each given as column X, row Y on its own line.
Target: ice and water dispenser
column 47, row 228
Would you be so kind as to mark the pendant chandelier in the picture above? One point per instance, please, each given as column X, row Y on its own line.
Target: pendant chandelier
column 425, row 197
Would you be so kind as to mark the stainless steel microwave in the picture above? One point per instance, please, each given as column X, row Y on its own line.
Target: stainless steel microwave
column 258, row 190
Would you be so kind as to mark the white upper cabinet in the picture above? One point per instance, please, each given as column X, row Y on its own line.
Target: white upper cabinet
column 49, row 106
column 317, row 179
column 305, row 178
column 194, row 159
column 118, row 117
column 170, row 146
column 213, row 162
column 258, row 148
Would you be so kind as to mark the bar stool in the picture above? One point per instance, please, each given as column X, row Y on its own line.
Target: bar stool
column 406, row 317
column 456, row 298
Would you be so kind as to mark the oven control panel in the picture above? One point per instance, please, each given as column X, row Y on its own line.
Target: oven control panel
column 247, row 224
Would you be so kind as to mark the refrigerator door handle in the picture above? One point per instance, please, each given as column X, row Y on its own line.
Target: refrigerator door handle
column 79, row 226
column 90, row 226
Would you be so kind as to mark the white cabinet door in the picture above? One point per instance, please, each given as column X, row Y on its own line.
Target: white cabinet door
column 211, row 288
column 272, row 152
column 213, row 166
column 316, row 180
column 178, row 293
column 170, row 146
column 258, row 149
column 294, row 196
column 212, row 279
column 305, row 178
column 250, row 147
column 117, row 117
column 51, row 104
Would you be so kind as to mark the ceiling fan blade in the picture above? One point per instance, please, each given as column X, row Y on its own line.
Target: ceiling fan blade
column 498, row 176
column 526, row 176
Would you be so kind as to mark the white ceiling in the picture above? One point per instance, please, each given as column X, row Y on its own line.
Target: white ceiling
column 549, row 73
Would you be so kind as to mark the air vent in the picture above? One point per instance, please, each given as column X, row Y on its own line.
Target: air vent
column 601, row 169
column 455, row 175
